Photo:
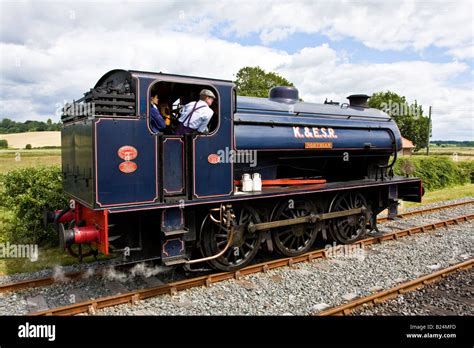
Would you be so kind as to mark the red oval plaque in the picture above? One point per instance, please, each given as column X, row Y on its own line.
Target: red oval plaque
column 127, row 153
column 128, row 167
column 213, row 158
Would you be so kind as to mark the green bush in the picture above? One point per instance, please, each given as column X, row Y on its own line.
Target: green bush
column 435, row 171
column 466, row 169
column 28, row 147
column 3, row 144
column 26, row 192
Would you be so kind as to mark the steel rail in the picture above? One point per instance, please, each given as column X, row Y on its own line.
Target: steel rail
column 395, row 291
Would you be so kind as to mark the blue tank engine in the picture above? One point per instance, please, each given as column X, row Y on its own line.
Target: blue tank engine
column 272, row 174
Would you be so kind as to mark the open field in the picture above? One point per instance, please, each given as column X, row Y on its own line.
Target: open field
column 36, row 139
column 15, row 159
column 461, row 153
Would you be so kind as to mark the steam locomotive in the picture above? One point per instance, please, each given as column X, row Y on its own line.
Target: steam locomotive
column 319, row 170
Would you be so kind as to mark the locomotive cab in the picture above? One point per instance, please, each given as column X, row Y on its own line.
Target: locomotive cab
column 172, row 98
column 111, row 159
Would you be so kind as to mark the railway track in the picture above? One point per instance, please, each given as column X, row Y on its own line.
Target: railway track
column 92, row 306
column 348, row 308
column 426, row 210
column 31, row 283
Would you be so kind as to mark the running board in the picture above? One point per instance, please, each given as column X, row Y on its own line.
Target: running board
column 175, row 262
column 175, row 232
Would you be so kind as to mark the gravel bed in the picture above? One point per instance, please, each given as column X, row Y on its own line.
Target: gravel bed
column 426, row 218
column 438, row 204
column 452, row 295
column 402, row 209
column 309, row 287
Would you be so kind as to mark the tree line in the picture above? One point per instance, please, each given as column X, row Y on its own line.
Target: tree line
column 443, row 143
column 9, row 126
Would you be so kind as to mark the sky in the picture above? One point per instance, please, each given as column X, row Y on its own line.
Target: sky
column 54, row 51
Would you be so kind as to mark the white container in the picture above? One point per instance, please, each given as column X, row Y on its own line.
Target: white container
column 247, row 183
column 257, row 182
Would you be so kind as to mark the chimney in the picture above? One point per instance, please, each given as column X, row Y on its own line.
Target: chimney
column 284, row 94
column 358, row 100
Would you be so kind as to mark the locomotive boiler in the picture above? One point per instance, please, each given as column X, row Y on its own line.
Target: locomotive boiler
column 293, row 138
column 325, row 170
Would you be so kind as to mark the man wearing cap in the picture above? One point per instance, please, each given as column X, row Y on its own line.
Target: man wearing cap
column 196, row 115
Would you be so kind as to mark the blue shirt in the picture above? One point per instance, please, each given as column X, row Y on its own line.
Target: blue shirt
column 200, row 117
column 157, row 122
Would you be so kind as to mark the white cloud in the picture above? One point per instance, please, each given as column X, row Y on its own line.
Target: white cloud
column 391, row 24
column 74, row 62
column 466, row 52
column 382, row 25
column 55, row 57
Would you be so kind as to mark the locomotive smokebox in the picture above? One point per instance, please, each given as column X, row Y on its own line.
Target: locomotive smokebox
column 284, row 94
column 359, row 100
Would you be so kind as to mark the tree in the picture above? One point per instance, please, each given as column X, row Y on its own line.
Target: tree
column 9, row 126
column 255, row 82
column 409, row 117
column 6, row 123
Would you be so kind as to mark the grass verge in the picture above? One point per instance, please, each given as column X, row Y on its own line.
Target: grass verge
column 445, row 194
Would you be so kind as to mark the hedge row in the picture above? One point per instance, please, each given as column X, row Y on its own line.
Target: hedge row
column 25, row 193
column 436, row 172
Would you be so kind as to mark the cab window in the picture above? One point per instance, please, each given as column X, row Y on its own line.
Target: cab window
column 172, row 99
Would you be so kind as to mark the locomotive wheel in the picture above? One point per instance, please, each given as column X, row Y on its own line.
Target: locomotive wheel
column 244, row 245
column 347, row 229
column 296, row 239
